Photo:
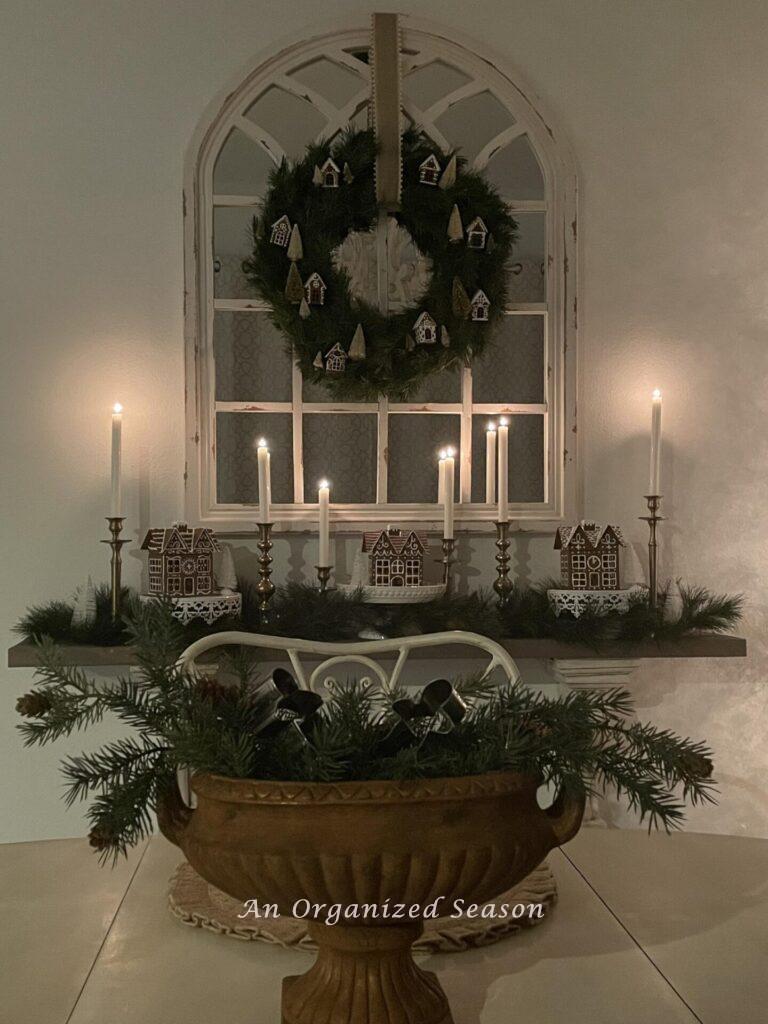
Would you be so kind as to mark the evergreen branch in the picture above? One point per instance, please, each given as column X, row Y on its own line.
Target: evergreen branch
column 583, row 741
column 115, row 764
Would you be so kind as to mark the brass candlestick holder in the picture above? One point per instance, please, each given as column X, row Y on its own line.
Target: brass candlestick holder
column 653, row 517
column 115, row 528
column 502, row 584
column 449, row 547
column 265, row 588
column 323, row 575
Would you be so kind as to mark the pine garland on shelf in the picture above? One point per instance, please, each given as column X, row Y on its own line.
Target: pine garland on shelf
column 300, row 610
column 54, row 620
column 582, row 741
column 303, row 223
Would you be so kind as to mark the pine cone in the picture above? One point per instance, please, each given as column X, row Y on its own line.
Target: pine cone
column 34, row 705
column 100, row 838
column 539, row 729
column 214, row 691
column 698, row 765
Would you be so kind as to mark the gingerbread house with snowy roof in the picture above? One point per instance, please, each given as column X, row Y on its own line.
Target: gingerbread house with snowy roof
column 395, row 557
column 429, row 170
column 329, row 172
column 589, row 556
column 181, row 561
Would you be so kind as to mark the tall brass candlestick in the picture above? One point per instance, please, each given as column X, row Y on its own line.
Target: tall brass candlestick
column 502, row 584
column 653, row 517
column 115, row 528
column 449, row 545
column 323, row 575
column 265, row 588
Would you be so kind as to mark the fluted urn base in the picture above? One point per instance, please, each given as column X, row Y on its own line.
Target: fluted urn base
column 367, row 842
column 365, row 975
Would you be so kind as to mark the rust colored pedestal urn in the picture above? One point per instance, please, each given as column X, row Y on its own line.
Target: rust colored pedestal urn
column 356, row 843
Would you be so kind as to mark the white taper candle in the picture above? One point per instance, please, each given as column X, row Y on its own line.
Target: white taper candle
column 448, row 478
column 503, row 474
column 323, row 499
column 116, row 503
column 441, row 476
column 265, row 481
column 655, row 476
column 490, row 464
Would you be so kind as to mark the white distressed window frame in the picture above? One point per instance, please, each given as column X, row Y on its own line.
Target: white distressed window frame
column 559, row 312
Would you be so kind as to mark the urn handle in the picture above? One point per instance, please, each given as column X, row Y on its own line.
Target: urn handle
column 173, row 815
column 565, row 814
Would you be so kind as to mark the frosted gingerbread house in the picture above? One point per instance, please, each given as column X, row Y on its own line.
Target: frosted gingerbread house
column 330, row 173
column 429, row 170
column 395, row 557
column 477, row 234
column 480, row 307
column 314, row 289
column 335, row 359
column 180, row 561
column 589, row 556
column 281, row 232
column 425, row 329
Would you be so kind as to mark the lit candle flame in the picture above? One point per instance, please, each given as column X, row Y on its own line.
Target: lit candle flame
column 491, row 425
column 656, row 396
column 324, row 483
column 262, row 442
column 443, row 454
column 117, row 407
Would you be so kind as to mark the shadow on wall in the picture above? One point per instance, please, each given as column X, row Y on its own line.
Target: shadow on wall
column 625, row 507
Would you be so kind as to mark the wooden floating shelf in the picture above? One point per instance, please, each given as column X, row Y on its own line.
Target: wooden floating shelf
column 709, row 645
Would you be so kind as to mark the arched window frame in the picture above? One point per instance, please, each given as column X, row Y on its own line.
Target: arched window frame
column 561, row 484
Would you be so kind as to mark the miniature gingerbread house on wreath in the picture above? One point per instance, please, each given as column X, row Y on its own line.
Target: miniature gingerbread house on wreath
column 589, row 556
column 181, row 561
column 395, row 557
column 335, row 359
column 425, row 329
column 480, row 307
column 330, row 174
column 477, row 234
column 281, row 232
column 429, row 170
column 314, row 289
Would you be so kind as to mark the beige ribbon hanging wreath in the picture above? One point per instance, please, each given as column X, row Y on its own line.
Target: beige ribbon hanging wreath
column 196, row 903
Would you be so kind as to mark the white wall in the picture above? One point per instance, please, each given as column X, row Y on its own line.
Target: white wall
column 665, row 105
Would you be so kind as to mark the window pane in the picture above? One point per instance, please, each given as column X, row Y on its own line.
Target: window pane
column 291, row 120
column 526, row 458
column 526, row 281
column 515, row 171
column 414, row 442
column 427, row 84
column 439, row 387
column 237, row 475
column 340, row 448
column 319, row 393
column 252, row 364
column 242, row 167
column 511, row 369
column 232, row 243
column 472, row 123
column 335, row 82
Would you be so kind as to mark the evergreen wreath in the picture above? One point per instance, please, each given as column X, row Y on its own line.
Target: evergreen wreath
column 384, row 358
